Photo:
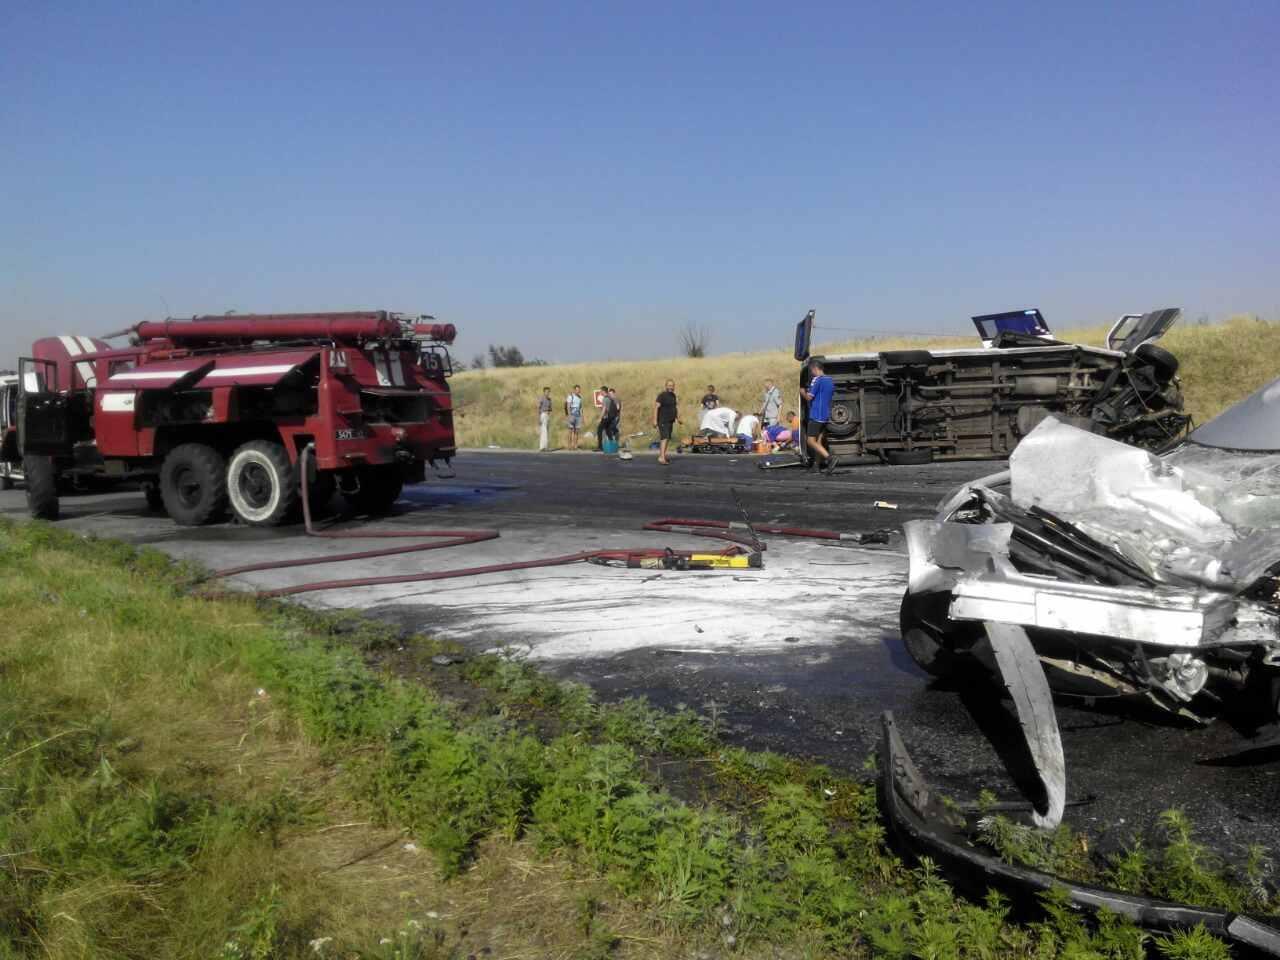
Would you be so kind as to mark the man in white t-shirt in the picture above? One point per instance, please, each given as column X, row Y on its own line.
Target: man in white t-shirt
column 719, row 420
column 749, row 427
column 573, row 411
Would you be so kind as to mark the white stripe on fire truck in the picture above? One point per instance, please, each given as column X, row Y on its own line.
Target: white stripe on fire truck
column 148, row 375
column 379, row 366
column 251, row 371
column 74, row 348
column 118, row 402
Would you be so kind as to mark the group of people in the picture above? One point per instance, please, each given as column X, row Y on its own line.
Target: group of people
column 607, row 428
column 716, row 419
column 766, row 424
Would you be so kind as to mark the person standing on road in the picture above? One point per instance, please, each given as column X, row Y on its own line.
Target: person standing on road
column 605, row 427
column 615, row 425
column 821, row 388
column 771, row 404
column 709, row 399
column 573, row 411
column 544, row 419
column 666, row 414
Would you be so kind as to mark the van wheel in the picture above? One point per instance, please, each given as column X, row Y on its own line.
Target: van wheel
column 262, row 483
column 1164, row 363
column 377, row 489
column 41, row 476
column 193, row 484
column 906, row 458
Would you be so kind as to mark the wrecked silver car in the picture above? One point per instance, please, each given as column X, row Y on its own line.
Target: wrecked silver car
column 1096, row 568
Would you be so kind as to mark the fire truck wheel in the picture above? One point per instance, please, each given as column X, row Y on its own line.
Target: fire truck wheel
column 41, row 476
column 193, row 484
column 262, row 483
column 379, row 487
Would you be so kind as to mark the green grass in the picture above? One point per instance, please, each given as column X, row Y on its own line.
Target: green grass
column 195, row 777
column 1221, row 364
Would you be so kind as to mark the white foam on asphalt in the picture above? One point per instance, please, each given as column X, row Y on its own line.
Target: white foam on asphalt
column 807, row 592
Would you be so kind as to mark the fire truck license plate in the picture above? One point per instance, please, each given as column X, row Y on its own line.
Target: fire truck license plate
column 345, row 434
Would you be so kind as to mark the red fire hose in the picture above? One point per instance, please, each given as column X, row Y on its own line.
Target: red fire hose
column 439, row 539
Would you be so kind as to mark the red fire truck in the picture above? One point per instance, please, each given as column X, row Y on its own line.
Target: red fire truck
column 213, row 413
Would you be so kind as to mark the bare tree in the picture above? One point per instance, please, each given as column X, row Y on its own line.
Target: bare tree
column 694, row 339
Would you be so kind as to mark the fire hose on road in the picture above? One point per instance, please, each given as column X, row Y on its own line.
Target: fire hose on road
column 743, row 550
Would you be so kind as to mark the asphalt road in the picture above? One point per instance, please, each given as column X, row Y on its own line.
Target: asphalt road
column 799, row 657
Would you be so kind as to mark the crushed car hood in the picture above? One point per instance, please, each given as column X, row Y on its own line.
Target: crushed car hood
column 1195, row 516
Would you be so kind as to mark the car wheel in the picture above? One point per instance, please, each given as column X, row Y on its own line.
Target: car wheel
column 923, row 621
column 906, row 458
column 41, row 476
column 262, row 483
column 193, row 484
column 1164, row 363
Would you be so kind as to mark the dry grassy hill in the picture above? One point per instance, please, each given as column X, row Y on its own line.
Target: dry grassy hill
column 1220, row 365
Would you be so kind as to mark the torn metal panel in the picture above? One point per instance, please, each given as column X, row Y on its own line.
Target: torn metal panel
column 1025, row 680
column 939, row 551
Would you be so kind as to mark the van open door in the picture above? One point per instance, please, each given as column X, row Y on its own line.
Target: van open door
column 1134, row 329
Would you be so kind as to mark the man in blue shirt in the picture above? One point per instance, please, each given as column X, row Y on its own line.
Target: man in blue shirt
column 821, row 389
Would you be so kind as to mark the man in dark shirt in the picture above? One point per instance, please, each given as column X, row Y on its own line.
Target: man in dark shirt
column 605, row 427
column 709, row 399
column 666, row 414
column 819, row 393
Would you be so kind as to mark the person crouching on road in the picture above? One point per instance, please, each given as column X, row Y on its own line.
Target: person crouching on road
column 544, row 419
column 819, row 394
column 573, row 411
column 666, row 414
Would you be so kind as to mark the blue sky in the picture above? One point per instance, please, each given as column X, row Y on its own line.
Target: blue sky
column 581, row 179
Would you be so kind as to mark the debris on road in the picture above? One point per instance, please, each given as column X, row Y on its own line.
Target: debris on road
column 926, row 826
column 884, row 505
